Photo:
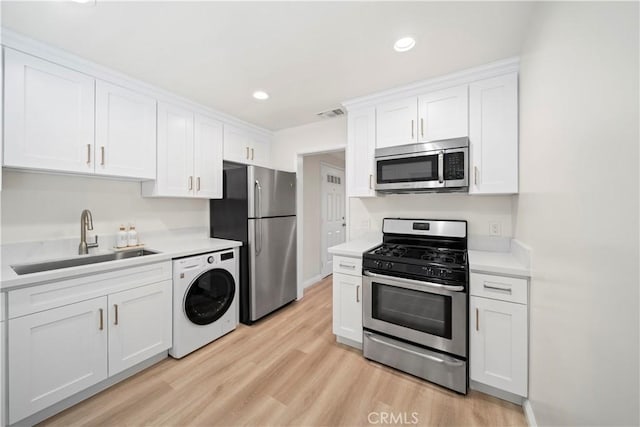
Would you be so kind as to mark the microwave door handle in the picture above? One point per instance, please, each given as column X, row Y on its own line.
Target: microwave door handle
column 441, row 167
column 415, row 282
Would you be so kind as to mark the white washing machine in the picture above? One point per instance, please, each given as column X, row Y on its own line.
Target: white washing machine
column 205, row 299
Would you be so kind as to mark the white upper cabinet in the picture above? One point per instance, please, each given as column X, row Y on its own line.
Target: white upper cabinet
column 125, row 132
column 396, row 123
column 48, row 115
column 443, row 114
column 243, row 146
column 189, row 155
column 493, row 135
column 175, row 152
column 208, row 139
column 361, row 145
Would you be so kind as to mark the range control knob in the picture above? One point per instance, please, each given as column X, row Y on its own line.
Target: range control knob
column 210, row 260
column 377, row 264
column 388, row 266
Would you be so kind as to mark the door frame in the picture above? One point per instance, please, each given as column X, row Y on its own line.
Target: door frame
column 300, row 211
column 323, row 234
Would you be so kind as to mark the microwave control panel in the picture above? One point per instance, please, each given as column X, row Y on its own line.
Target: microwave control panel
column 454, row 166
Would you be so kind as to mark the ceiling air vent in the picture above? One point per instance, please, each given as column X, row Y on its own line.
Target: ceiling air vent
column 329, row 114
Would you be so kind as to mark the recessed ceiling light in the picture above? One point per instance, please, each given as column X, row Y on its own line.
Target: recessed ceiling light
column 261, row 95
column 404, row 44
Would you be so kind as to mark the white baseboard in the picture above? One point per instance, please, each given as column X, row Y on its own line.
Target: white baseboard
column 528, row 413
column 311, row 281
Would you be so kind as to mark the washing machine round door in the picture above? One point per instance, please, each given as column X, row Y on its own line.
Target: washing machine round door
column 209, row 296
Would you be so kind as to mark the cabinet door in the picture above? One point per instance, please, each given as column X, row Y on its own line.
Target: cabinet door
column 493, row 135
column 360, row 160
column 125, row 132
column 498, row 341
column 396, row 123
column 237, row 145
column 207, row 148
column 175, row 151
column 260, row 151
column 347, row 306
column 443, row 114
column 139, row 325
column 55, row 354
column 49, row 115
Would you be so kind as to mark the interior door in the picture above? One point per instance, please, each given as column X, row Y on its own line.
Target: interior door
column 272, row 266
column 333, row 225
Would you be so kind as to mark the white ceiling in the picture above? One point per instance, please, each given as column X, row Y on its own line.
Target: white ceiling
column 308, row 56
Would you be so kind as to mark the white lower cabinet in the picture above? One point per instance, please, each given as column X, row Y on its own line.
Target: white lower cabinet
column 498, row 335
column 102, row 325
column 139, row 327
column 347, row 306
column 55, row 354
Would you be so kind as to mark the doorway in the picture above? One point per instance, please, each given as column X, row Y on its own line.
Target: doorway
column 314, row 236
column 332, row 217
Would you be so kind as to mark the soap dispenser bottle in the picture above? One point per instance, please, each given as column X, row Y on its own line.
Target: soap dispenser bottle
column 132, row 236
column 122, row 238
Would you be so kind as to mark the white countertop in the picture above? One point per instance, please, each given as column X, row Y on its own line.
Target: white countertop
column 497, row 263
column 169, row 246
column 356, row 247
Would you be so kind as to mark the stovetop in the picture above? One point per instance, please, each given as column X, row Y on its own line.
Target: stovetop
column 420, row 262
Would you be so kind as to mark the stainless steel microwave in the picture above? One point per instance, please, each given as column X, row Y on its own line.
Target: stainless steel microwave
column 441, row 166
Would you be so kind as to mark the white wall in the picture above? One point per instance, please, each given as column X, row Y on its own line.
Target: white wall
column 578, row 210
column 366, row 214
column 312, row 212
column 324, row 135
column 45, row 207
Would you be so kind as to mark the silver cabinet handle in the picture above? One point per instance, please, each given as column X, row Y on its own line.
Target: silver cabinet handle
column 198, row 184
column 475, row 175
column 370, row 181
column 115, row 306
column 347, row 265
column 247, row 153
column 422, row 127
column 101, row 327
column 496, row 287
column 358, row 293
column 102, row 155
column 190, row 183
column 441, row 167
column 252, row 154
column 408, row 350
column 477, row 320
column 412, row 129
column 416, row 282
column 88, row 154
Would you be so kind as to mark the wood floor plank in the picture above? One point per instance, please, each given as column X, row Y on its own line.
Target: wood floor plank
column 286, row 370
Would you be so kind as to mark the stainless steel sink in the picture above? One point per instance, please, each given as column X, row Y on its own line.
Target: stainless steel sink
column 75, row 262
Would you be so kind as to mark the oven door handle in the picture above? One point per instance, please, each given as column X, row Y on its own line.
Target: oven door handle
column 408, row 350
column 416, row 282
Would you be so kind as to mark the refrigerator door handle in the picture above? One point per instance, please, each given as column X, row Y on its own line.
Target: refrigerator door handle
column 258, row 214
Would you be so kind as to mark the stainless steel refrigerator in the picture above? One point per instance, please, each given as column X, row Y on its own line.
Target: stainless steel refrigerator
column 259, row 208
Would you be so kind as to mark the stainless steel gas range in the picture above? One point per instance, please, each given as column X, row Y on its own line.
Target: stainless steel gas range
column 415, row 300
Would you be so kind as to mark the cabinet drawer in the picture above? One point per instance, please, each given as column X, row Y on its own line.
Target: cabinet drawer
column 347, row 265
column 56, row 294
column 501, row 288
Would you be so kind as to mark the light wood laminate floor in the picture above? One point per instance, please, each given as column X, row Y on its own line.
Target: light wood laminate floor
column 285, row 370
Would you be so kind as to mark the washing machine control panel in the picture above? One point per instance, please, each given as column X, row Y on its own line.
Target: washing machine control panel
column 211, row 260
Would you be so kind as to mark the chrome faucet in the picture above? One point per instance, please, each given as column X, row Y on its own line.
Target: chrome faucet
column 86, row 223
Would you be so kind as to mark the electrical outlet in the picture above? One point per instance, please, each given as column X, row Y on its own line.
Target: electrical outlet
column 495, row 229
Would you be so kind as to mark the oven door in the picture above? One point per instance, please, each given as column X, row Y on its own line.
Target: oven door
column 410, row 171
column 429, row 314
